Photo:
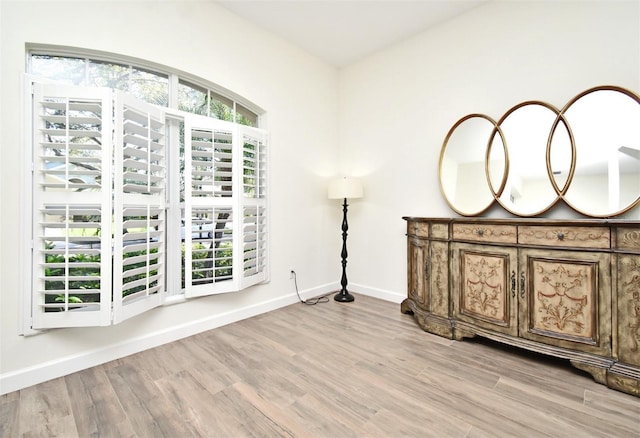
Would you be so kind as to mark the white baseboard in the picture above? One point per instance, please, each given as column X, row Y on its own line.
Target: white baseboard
column 377, row 293
column 358, row 289
column 23, row 378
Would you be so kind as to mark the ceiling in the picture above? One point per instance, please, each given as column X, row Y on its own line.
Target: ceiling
column 341, row 32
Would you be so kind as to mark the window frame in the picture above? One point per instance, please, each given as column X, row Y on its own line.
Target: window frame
column 174, row 75
column 173, row 292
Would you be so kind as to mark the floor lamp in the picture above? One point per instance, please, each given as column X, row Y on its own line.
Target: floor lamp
column 344, row 188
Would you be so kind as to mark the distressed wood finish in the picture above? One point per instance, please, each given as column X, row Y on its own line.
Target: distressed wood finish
column 567, row 299
column 485, row 232
column 439, row 278
column 482, row 284
column 629, row 309
column 428, row 274
column 417, row 276
column 564, row 288
column 565, row 235
column 625, row 374
column 274, row 375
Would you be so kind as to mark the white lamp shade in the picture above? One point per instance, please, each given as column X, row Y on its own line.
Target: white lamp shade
column 345, row 188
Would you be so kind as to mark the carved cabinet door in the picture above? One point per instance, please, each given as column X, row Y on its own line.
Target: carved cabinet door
column 418, row 256
column 484, row 286
column 628, row 317
column 565, row 299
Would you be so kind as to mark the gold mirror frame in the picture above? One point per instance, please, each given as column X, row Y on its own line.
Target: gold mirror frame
column 530, row 147
column 480, row 199
column 560, row 143
column 579, row 142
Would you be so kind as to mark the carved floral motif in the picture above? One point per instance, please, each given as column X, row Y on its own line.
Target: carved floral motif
column 484, row 286
column 486, row 233
column 562, row 294
column 417, row 260
column 630, row 239
column 631, row 299
column 440, row 284
column 625, row 384
column 568, row 235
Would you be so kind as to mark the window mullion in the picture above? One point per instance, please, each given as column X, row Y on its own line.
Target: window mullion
column 173, row 212
column 238, row 205
column 208, row 103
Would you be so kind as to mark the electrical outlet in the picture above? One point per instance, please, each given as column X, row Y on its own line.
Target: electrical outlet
column 291, row 274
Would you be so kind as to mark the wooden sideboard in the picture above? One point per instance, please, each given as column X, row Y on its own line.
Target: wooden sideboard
column 569, row 289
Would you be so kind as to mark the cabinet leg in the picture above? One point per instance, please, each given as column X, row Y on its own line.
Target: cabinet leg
column 405, row 307
column 599, row 374
column 460, row 334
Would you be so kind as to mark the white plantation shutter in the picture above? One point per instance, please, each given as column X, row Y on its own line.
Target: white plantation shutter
column 254, row 209
column 100, row 206
column 72, row 206
column 210, row 193
column 139, row 207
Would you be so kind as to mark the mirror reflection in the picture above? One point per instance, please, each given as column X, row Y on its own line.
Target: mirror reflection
column 605, row 123
column 528, row 190
column 587, row 154
column 463, row 178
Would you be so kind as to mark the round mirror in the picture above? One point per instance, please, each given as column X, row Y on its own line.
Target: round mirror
column 462, row 169
column 528, row 190
column 605, row 125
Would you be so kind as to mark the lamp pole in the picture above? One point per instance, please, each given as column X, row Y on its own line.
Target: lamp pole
column 344, row 296
column 344, row 188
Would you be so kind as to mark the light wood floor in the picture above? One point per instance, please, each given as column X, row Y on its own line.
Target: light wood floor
column 361, row 369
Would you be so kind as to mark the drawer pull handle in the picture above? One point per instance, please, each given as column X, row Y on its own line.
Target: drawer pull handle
column 560, row 236
column 480, row 232
column 513, row 284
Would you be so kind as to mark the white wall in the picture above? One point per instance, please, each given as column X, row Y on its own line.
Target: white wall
column 398, row 105
column 300, row 95
column 394, row 110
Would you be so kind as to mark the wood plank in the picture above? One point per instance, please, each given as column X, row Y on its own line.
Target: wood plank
column 45, row 410
column 330, row 370
column 96, row 408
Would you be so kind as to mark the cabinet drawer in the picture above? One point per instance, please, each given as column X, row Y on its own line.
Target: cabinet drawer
column 440, row 230
column 489, row 233
column 575, row 237
column 419, row 229
column 628, row 238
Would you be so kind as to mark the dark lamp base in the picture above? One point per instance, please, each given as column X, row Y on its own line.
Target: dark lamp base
column 344, row 297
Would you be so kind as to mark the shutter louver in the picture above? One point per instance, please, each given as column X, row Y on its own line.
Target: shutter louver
column 254, row 221
column 100, row 196
column 139, row 214
column 212, row 251
column 254, row 241
column 208, row 231
column 72, row 201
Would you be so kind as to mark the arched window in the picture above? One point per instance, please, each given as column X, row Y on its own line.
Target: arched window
column 146, row 184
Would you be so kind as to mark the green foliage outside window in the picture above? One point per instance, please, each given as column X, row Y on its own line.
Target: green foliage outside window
column 86, row 265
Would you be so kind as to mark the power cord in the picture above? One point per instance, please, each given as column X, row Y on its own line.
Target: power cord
column 312, row 301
